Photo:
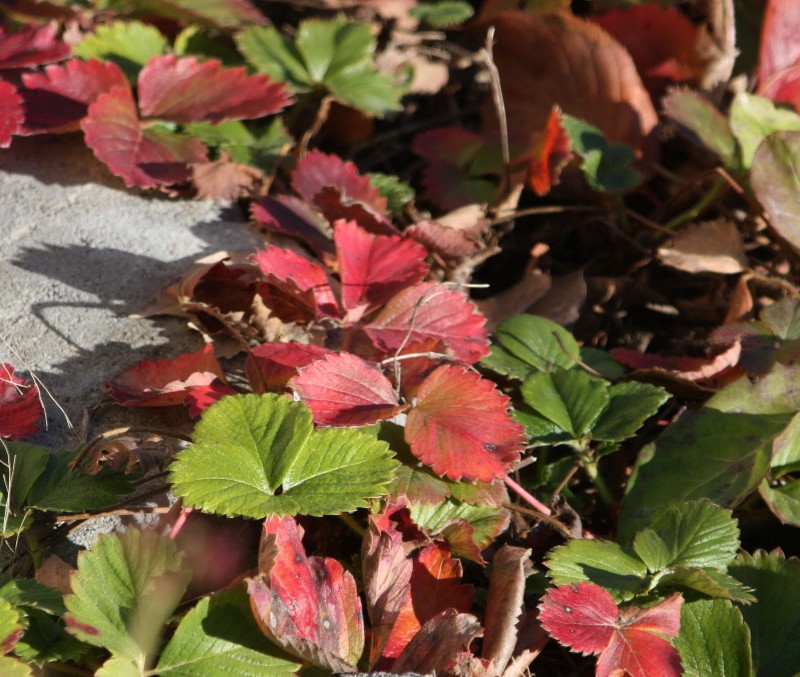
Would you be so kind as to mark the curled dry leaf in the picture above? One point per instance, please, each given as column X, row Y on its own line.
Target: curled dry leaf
column 226, row 180
column 706, row 247
column 553, row 58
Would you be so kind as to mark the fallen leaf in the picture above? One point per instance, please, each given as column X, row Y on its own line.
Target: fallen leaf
column 307, row 605
column 549, row 154
column 31, row 45
column 55, row 573
column 706, row 247
column 548, row 59
column 201, row 397
column 20, row 407
column 585, row 618
column 446, row 241
column 226, row 180
column 343, row 390
column 166, row 382
column 694, row 369
column 779, row 48
column 460, row 426
column 269, row 366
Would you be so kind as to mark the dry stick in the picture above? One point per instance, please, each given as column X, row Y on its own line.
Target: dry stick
column 497, row 100
column 547, row 519
column 157, row 510
column 535, row 211
column 564, row 481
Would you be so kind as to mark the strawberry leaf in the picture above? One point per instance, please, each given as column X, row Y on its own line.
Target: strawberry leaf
column 186, row 90
column 318, row 170
column 59, row 98
column 629, row 406
column 128, row 44
column 20, row 407
column 11, row 629
column 585, row 618
column 430, row 311
column 298, row 282
column 373, row 268
column 435, row 585
column 31, row 45
column 255, row 455
column 271, row 365
column 753, row 118
column 307, row 605
column 343, row 390
column 12, row 113
column 123, row 591
column 144, row 157
column 549, row 155
column 220, row 635
column 460, row 426
column 166, row 382
column 714, row 639
column 215, row 13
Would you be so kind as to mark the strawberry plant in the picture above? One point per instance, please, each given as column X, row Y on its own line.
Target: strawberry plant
column 383, row 465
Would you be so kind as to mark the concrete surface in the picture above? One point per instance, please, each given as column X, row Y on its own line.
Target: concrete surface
column 79, row 253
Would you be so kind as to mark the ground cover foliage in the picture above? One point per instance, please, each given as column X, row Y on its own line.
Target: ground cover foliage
column 510, row 386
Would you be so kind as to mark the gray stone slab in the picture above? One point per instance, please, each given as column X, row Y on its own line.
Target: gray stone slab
column 80, row 253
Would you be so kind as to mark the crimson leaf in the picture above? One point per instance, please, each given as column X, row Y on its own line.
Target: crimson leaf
column 20, row 408
column 12, row 114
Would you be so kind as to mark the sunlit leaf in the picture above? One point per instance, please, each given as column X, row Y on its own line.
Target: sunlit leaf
column 20, row 407
column 128, row 44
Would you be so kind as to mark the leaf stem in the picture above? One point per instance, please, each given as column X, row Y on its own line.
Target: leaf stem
column 355, row 526
column 699, row 207
column 593, row 471
column 523, row 494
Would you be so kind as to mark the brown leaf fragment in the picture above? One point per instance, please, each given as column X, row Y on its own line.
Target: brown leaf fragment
column 553, row 58
column 55, row 573
column 442, row 637
column 510, row 567
column 225, row 180
column 706, row 247
column 449, row 243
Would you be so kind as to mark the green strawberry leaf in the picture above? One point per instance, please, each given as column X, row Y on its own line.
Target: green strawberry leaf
column 221, row 636
column 691, row 534
column 537, row 342
column 713, row 640
column 707, row 582
column 256, row 455
column 783, row 500
column 602, row 562
column 123, row 591
column 629, row 406
column 753, row 118
column 129, row 44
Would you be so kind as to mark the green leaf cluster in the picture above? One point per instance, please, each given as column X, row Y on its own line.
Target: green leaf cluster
column 334, row 56
column 443, row 14
column 256, row 455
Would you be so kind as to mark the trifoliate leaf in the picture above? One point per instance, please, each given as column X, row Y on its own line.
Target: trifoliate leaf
column 129, row 44
column 602, row 562
column 443, row 14
column 773, row 620
column 629, row 406
column 713, row 640
column 123, row 591
column 571, row 399
column 691, row 534
column 257, row 454
column 220, row 636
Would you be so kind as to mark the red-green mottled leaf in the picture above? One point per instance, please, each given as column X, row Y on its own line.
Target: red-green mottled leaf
column 297, row 281
column 31, row 45
column 461, row 427
column 435, row 585
column 186, row 90
column 20, row 408
column 271, row 365
column 585, row 618
column 343, row 390
column 431, row 311
column 144, row 157
column 373, row 268
column 59, row 98
column 12, row 114
column 166, row 382
column 307, row 605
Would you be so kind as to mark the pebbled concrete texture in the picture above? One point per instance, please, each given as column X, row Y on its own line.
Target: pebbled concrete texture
column 78, row 254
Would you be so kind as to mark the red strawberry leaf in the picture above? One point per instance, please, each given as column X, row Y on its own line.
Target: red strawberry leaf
column 270, row 365
column 343, row 390
column 431, row 311
column 460, row 426
column 307, row 605
column 12, row 114
column 779, row 47
column 144, row 157
column 289, row 215
column 164, row 383
column 373, row 268
column 20, row 407
column 31, row 45
column 59, row 98
column 186, row 90
column 549, row 155
column 297, row 279
column 320, row 170
column 201, row 397
column 435, row 586
column 585, row 618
